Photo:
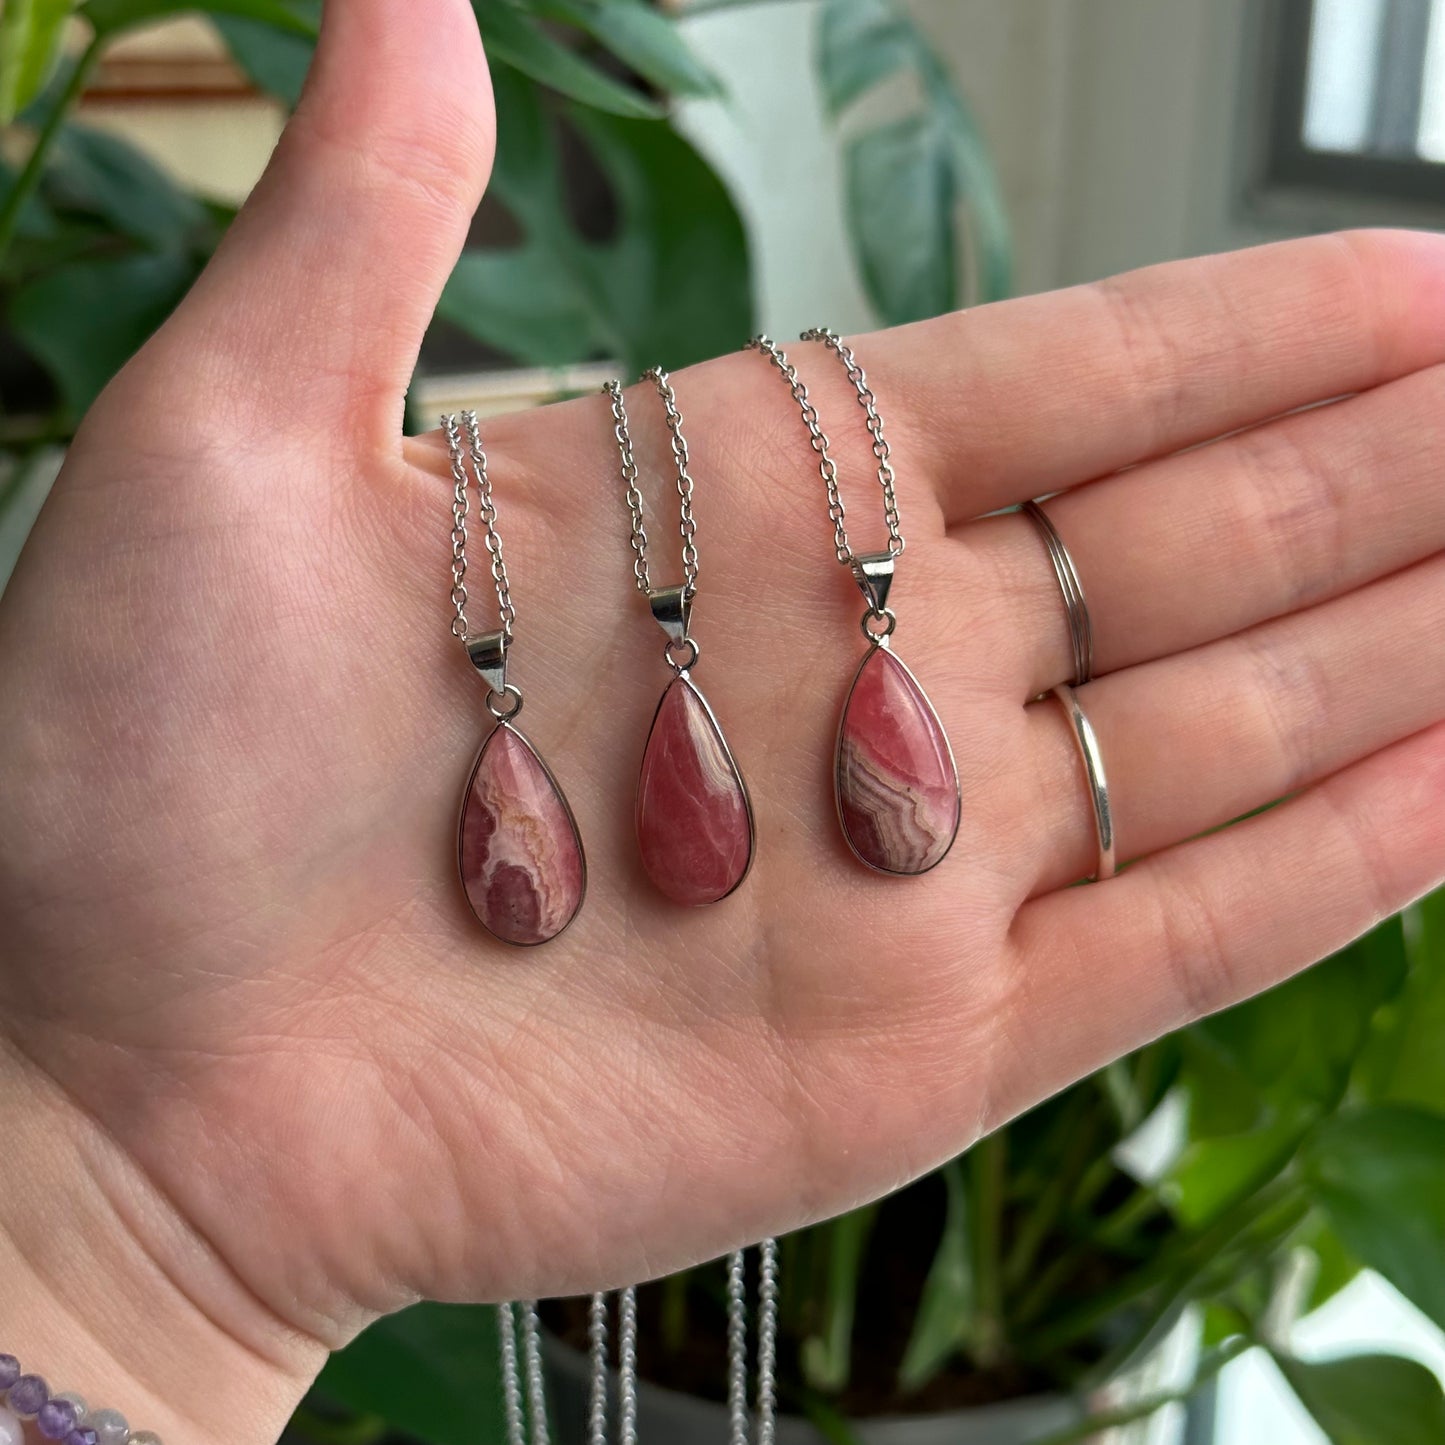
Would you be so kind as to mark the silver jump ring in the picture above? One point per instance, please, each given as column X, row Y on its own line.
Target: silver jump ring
column 497, row 702
column 878, row 625
column 1081, row 626
column 693, row 653
column 1087, row 742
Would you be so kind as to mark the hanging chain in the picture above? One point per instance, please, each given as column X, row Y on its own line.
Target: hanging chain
column 767, row 1341
column 627, row 1366
column 687, row 524
column 486, row 510
column 818, row 438
column 827, row 467
column 511, row 1375
column 881, row 450
column 737, row 1349
column 597, row 1352
column 629, row 477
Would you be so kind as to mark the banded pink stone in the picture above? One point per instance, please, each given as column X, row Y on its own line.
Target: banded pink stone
column 518, row 849
column 694, row 824
column 896, row 782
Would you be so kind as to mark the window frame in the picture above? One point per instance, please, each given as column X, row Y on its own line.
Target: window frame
column 1289, row 165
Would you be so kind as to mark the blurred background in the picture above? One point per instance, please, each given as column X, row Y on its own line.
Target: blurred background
column 1235, row 1236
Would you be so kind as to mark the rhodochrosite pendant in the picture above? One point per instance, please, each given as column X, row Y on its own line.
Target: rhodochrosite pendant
column 518, row 849
column 694, row 819
column 894, row 776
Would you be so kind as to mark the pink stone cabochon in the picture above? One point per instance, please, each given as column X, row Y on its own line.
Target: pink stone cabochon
column 896, row 782
column 694, row 820
column 518, row 849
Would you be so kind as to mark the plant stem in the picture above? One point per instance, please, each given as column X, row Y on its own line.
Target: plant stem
column 1182, row 1261
column 987, row 1168
column 1094, row 1425
column 29, row 178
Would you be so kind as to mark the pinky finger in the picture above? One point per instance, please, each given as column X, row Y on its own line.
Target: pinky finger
column 1204, row 924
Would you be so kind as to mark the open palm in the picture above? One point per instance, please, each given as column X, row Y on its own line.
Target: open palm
column 243, row 984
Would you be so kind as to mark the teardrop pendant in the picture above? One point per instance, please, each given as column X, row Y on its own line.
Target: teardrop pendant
column 894, row 775
column 518, row 849
column 694, row 819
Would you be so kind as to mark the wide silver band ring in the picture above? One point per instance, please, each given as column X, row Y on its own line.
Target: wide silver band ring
column 1081, row 627
column 1088, row 744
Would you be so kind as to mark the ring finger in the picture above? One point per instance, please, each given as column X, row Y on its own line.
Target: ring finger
column 1197, row 546
column 1197, row 739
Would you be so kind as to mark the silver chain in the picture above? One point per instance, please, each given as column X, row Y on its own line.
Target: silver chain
column 737, row 1349
column 511, row 1375
column 882, row 452
column 687, row 524
column 627, row 1366
column 461, row 456
column 597, row 1350
column 767, row 1341
column 827, row 467
column 765, row 1411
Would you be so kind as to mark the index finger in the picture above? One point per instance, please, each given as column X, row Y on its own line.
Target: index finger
column 1031, row 396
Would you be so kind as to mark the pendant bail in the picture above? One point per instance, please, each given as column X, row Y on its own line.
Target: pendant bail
column 672, row 609
column 873, row 572
column 488, row 652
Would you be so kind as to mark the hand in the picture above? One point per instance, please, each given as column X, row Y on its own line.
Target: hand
column 266, row 1077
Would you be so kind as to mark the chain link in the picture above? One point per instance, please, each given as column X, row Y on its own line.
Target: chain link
column 881, row 450
column 827, row 467
column 629, row 477
column 486, row 510
column 687, row 524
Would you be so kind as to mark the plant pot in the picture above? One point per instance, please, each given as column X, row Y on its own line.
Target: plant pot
column 669, row 1417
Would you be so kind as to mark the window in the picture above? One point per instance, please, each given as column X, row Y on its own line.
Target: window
column 1359, row 99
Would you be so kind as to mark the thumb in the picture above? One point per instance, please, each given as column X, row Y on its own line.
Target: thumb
column 321, row 291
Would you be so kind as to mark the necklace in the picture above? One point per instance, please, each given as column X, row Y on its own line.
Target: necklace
column 519, row 853
column 894, row 778
column 694, row 820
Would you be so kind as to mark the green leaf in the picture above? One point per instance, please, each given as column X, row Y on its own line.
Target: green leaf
column 85, row 321
column 521, row 302
column 514, row 38
column 940, row 1326
column 676, row 223
column 276, row 60
column 31, row 32
column 430, row 1372
column 976, row 184
column 96, row 173
column 644, row 39
column 1379, row 1176
column 110, row 17
column 1214, row 1174
column 1406, row 1060
column 560, row 297
column 859, row 43
column 1335, row 1266
column 1300, row 1041
column 1370, row 1399
column 900, row 204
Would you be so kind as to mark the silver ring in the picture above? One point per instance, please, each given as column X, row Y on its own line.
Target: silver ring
column 1088, row 744
column 1081, row 626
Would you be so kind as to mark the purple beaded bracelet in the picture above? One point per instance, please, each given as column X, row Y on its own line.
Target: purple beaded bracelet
column 63, row 1418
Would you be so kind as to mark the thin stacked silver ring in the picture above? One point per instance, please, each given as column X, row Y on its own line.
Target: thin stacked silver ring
column 1087, row 742
column 1081, row 627
column 1081, row 639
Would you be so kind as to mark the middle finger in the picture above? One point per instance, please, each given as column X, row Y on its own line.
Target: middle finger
column 1200, row 545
